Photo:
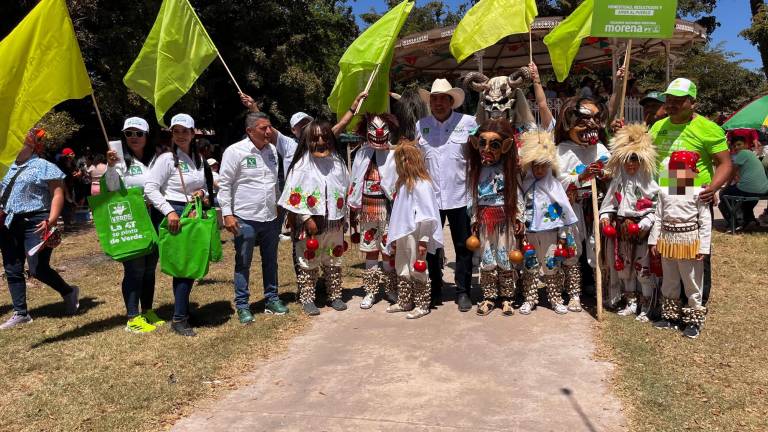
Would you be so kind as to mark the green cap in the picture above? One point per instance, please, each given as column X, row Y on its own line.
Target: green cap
column 681, row 87
column 653, row 96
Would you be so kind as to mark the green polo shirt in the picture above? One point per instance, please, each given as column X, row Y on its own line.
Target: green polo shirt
column 700, row 135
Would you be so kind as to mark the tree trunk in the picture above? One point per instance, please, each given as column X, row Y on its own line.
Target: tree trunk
column 762, row 46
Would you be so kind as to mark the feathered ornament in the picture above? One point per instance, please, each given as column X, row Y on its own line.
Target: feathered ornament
column 632, row 139
column 538, row 147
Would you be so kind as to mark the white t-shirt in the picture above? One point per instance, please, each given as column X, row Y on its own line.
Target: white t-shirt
column 163, row 182
column 135, row 176
column 286, row 147
column 248, row 182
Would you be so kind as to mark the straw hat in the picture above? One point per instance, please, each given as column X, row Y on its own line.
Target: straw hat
column 632, row 139
column 442, row 86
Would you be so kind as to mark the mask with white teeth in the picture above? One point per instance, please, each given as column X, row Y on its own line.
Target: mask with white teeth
column 585, row 124
column 378, row 134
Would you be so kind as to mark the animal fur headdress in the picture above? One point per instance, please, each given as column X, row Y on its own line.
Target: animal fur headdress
column 632, row 139
column 538, row 147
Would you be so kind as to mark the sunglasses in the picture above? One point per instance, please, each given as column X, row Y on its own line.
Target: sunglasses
column 131, row 134
column 494, row 144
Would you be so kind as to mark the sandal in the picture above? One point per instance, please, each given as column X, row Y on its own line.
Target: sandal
column 485, row 307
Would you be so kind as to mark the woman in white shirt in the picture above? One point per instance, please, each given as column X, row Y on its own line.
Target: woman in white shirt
column 139, row 273
column 175, row 179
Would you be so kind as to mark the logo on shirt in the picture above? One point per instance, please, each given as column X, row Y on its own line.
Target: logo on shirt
column 135, row 170
column 184, row 167
column 250, row 162
column 425, row 131
column 120, row 211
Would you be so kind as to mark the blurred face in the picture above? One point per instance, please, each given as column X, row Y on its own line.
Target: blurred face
column 441, row 105
column 679, row 107
column 653, row 111
column 182, row 137
column 320, row 146
column 260, row 133
column 632, row 165
column 539, row 170
column 135, row 139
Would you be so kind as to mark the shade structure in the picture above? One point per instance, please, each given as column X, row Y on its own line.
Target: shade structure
column 751, row 116
column 426, row 55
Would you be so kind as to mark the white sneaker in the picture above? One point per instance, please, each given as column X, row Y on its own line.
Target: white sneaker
column 642, row 317
column 417, row 313
column 397, row 307
column 559, row 308
column 526, row 308
column 285, row 238
column 367, row 302
column 629, row 309
column 16, row 320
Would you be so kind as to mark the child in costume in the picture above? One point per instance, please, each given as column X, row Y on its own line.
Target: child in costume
column 581, row 157
column 315, row 197
column 627, row 215
column 549, row 219
column 493, row 174
column 370, row 207
column 414, row 230
column 681, row 234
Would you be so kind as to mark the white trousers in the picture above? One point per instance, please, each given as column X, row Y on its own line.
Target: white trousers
column 636, row 268
column 328, row 240
column 545, row 243
column 692, row 274
column 406, row 253
column 495, row 249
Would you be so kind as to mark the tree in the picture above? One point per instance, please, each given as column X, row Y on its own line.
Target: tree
column 757, row 33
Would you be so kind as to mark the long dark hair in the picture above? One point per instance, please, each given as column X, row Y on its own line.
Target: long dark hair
column 311, row 132
column 509, row 161
column 198, row 160
column 409, row 109
column 150, row 149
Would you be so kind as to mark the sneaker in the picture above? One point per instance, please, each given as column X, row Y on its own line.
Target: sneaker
column 642, row 317
column 310, row 309
column 526, row 308
column 574, row 305
column 244, row 315
column 506, row 308
column 139, row 324
column 339, row 305
column 417, row 313
column 691, row 331
column 183, row 328
column 16, row 320
column 367, row 302
column 391, row 297
column 485, row 307
column 285, row 238
column 72, row 301
column 152, row 318
column 465, row 304
column 559, row 308
column 629, row 309
column 665, row 325
column 397, row 307
column 275, row 307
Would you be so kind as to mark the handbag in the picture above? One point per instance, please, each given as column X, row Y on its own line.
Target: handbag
column 122, row 222
column 187, row 253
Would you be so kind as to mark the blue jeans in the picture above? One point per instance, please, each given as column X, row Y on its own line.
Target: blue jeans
column 182, row 287
column 139, row 283
column 266, row 235
column 15, row 241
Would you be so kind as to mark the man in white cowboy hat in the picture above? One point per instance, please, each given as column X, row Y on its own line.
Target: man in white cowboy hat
column 442, row 137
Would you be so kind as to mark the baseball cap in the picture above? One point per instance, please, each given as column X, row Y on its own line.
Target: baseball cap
column 681, row 87
column 212, row 161
column 653, row 96
column 298, row 117
column 184, row 120
column 136, row 123
column 67, row 152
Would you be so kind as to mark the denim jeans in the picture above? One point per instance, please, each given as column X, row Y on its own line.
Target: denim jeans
column 15, row 241
column 266, row 236
column 139, row 277
column 182, row 287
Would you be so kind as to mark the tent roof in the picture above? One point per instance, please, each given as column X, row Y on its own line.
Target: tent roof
column 427, row 54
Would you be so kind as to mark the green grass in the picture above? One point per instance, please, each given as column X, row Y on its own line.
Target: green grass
column 717, row 382
column 87, row 373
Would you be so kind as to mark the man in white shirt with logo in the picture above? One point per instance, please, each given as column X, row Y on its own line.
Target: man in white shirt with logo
column 248, row 199
column 442, row 137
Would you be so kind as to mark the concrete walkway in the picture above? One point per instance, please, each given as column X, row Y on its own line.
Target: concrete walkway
column 372, row 371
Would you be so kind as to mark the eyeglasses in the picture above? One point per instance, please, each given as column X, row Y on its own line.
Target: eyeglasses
column 131, row 134
column 495, row 144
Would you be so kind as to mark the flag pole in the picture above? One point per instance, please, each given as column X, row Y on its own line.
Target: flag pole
column 368, row 86
column 101, row 121
column 598, row 269
column 530, row 45
column 228, row 71
column 627, row 56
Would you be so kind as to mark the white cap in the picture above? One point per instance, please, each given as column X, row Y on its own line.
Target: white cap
column 136, row 123
column 298, row 117
column 212, row 161
column 184, row 120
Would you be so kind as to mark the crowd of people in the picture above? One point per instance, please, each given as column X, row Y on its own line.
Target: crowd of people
column 517, row 197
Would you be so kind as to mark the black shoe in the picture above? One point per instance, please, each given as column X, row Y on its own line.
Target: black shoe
column 182, row 328
column 339, row 305
column 436, row 295
column 310, row 309
column 665, row 325
column 692, row 331
column 465, row 304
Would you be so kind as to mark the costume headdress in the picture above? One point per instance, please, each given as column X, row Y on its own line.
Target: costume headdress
column 632, row 139
column 539, row 147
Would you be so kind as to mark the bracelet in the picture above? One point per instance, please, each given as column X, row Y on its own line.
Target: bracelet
column 352, row 110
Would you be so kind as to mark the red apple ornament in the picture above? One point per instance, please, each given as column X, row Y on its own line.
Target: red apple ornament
column 420, row 266
column 609, row 231
column 312, row 244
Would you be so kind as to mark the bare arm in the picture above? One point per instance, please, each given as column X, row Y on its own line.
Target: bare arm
column 56, row 187
column 339, row 127
column 541, row 99
column 723, row 168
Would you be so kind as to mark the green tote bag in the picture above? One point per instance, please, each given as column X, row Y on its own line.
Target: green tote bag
column 122, row 222
column 187, row 253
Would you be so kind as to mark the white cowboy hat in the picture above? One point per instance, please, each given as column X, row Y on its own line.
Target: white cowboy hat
column 442, row 85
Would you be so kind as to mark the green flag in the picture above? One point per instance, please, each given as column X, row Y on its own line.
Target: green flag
column 488, row 21
column 42, row 67
column 175, row 54
column 564, row 41
column 374, row 47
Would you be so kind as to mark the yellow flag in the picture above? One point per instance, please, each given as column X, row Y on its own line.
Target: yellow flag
column 564, row 41
column 488, row 21
column 41, row 67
